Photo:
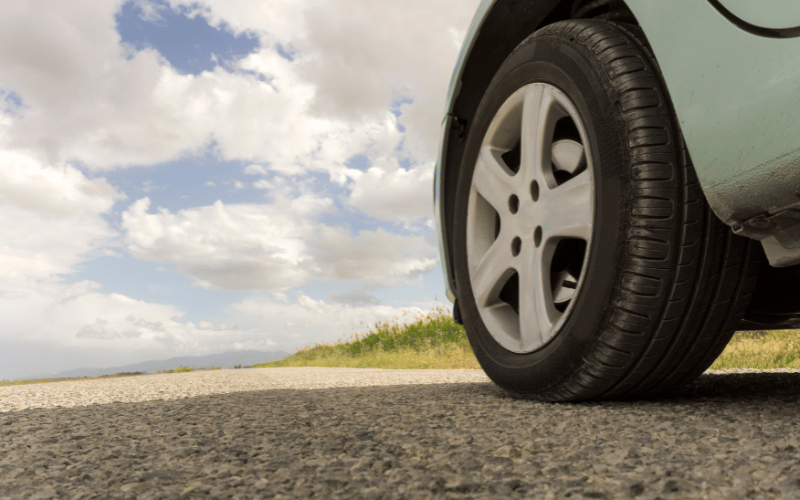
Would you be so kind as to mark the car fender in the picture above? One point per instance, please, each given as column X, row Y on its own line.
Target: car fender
column 734, row 88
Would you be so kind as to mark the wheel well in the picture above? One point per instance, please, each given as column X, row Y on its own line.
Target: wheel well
column 506, row 26
column 775, row 303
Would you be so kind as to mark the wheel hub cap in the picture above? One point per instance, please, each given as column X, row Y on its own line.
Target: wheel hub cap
column 530, row 217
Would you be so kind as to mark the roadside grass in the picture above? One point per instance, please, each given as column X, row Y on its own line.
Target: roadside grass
column 761, row 350
column 434, row 340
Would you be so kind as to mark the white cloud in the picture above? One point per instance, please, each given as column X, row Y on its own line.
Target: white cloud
column 380, row 256
column 233, row 247
column 93, row 100
column 80, row 315
column 149, row 10
column 306, row 321
column 276, row 19
column 255, row 169
column 34, row 247
column 362, row 56
column 91, row 320
column 390, row 192
column 65, row 61
column 263, row 184
column 50, row 219
column 60, row 191
column 354, row 298
column 271, row 247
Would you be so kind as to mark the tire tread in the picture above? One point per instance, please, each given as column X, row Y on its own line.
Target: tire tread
column 657, row 341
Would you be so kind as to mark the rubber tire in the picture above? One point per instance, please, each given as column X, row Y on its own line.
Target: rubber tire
column 667, row 282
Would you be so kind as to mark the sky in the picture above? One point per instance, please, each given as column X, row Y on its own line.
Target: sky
column 182, row 177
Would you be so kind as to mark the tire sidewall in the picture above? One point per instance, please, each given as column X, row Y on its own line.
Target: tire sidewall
column 569, row 66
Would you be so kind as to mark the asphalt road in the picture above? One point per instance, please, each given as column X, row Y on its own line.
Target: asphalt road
column 729, row 436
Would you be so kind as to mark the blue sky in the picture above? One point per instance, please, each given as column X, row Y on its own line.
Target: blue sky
column 183, row 177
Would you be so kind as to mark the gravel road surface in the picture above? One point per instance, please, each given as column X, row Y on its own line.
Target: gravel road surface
column 384, row 434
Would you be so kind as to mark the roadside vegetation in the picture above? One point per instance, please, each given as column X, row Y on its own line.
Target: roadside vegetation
column 434, row 340
column 761, row 350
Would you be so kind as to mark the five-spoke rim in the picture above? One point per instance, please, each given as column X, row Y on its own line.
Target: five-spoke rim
column 529, row 217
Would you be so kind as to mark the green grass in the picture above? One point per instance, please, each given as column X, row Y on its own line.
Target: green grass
column 436, row 341
column 431, row 341
column 761, row 350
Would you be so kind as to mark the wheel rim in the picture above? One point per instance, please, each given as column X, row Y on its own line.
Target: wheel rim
column 529, row 217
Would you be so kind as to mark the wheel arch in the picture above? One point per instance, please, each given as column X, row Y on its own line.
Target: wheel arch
column 498, row 27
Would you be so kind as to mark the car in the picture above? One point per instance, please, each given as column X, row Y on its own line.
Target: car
column 618, row 189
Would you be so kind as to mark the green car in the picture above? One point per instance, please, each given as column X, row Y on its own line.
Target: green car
column 618, row 189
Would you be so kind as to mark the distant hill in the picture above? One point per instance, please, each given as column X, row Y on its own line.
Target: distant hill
column 224, row 360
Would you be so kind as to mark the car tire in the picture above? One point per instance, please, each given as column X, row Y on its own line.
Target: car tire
column 588, row 264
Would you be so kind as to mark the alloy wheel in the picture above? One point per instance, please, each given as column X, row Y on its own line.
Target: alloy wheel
column 530, row 216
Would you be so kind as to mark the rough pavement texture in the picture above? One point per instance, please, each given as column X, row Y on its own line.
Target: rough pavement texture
column 731, row 435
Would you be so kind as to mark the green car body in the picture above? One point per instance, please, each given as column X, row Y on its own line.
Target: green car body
column 732, row 69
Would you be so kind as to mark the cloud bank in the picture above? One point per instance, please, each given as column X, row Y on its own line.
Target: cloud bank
column 328, row 83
